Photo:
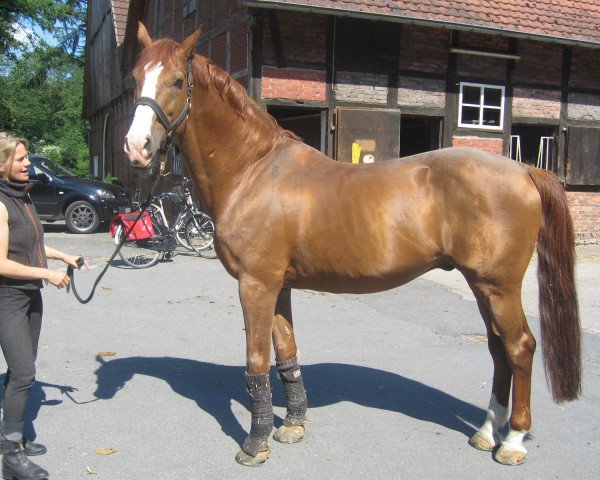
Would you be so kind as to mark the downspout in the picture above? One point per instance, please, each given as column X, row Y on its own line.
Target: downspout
column 106, row 115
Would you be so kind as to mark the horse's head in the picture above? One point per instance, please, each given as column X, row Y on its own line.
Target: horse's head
column 163, row 85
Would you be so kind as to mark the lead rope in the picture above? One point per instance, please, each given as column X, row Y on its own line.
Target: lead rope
column 70, row 271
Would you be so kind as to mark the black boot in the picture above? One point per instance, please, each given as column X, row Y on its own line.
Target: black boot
column 16, row 465
column 32, row 449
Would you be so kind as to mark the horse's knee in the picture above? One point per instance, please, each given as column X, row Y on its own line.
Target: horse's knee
column 520, row 353
column 284, row 342
column 284, row 348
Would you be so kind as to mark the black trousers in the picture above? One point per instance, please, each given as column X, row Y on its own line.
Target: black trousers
column 20, row 325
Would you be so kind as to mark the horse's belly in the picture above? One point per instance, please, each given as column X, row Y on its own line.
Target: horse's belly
column 348, row 278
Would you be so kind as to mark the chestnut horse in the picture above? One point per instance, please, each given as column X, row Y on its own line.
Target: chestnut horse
column 288, row 217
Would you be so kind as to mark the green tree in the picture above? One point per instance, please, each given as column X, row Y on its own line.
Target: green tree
column 41, row 85
column 41, row 100
column 64, row 20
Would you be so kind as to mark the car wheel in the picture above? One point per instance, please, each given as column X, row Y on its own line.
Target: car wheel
column 82, row 217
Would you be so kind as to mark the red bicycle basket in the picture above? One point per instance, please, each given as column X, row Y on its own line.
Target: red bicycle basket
column 142, row 230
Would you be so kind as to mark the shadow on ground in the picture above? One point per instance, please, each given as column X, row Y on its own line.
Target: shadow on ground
column 213, row 387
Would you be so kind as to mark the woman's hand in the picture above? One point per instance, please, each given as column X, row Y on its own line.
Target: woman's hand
column 76, row 261
column 57, row 278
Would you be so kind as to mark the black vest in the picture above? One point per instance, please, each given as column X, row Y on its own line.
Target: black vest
column 26, row 235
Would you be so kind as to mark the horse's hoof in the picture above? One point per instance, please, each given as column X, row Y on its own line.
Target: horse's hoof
column 481, row 442
column 291, row 434
column 507, row 455
column 244, row 459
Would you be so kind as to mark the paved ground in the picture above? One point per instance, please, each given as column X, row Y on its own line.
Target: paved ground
column 397, row 381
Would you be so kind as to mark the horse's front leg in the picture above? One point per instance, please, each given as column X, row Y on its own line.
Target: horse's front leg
column 258, row 305
column 286, row 357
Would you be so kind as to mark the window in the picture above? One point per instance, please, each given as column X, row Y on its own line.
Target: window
column 189, row 6
column 534, row 144
column 481, row 106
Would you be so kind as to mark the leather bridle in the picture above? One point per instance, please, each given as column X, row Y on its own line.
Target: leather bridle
column 162, row 116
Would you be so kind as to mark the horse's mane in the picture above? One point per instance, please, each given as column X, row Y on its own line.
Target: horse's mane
column 231, row 91
column 206, row 73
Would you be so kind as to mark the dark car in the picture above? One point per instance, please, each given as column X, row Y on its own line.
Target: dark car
column 58, row 194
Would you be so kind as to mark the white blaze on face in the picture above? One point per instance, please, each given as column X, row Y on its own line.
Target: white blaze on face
column 139, row 144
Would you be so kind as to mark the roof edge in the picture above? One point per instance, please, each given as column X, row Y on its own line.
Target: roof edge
column 339, row 12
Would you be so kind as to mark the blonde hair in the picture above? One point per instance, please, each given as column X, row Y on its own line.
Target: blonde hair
column 8, row 145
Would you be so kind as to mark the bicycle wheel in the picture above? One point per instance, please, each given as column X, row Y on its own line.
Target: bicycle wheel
column 179, row 227
column 134, row 253
column 200, row 234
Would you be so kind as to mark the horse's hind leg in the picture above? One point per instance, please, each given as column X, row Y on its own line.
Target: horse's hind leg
column 512, row 346
column 286, row 357
column 487, row 438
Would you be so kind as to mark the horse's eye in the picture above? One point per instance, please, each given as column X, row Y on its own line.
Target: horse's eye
column 178, row 84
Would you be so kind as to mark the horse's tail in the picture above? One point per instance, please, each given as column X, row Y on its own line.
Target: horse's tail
column 559, row 311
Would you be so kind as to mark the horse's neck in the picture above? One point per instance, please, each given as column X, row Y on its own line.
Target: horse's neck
column 222, row 148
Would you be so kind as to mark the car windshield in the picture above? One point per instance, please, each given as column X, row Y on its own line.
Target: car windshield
column 55, row 168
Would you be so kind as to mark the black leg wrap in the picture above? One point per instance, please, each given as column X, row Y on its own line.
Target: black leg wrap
column 289, row 373
column 259, row 388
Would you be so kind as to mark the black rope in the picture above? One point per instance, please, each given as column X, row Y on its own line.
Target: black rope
column 70, row 270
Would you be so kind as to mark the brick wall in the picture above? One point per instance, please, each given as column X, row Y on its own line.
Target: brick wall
column 220, row 11
column 585, row 209
column 536, row 103
column 540, row 63
column 293, row 83
column 584, row 68
column 584, row 106
column 218, row 50
column 482, row 68
column 421, row 92
column 493, row 145
column 361, row 87
column 424, row 49
column 239, row 49
column 303, row 38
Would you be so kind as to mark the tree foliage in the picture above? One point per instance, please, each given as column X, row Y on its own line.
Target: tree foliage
column 64, row 20
column 41, row 85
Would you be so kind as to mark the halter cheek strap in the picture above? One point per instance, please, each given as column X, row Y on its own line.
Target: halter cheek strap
column 162, row 116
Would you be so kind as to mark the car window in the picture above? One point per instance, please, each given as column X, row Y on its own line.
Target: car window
column 33, row 170
column 55, row 168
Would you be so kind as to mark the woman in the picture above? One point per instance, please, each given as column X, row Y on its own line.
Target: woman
column 23, row 270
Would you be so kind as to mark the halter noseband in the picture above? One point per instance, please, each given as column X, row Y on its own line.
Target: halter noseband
column 162, row 116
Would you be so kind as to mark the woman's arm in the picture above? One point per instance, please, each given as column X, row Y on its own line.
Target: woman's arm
column 12, row 269
column 65, row 257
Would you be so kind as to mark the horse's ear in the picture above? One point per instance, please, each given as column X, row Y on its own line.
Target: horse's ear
column 188, row 46
column 143, row 35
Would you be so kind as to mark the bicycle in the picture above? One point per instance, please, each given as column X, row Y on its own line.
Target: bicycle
column 192, row 229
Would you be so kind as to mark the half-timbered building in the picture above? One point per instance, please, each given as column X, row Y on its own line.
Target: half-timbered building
column 369, row 81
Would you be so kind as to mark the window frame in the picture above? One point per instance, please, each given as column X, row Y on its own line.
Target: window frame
column 481, row 106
